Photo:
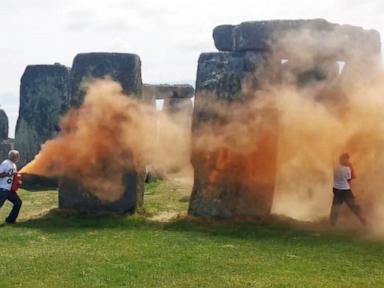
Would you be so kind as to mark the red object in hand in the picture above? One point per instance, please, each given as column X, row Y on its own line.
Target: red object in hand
column 353, row 175
column 16, row 182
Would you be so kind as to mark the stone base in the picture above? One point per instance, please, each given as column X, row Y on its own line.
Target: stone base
column 74, row 197
column 242, row 187
column 30, row 181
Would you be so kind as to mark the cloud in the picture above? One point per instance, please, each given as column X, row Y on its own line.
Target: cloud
column 80, row 20
column 168, row 35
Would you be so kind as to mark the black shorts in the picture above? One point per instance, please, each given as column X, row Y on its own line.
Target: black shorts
column 340, row 196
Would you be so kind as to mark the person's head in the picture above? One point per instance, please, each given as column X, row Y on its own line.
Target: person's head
column 344, row 159
column 14, row 156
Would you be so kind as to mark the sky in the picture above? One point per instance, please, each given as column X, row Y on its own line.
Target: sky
column 168, row 35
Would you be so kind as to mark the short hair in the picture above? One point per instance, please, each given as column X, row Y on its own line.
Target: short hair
column 13, row 153
column 344, row 156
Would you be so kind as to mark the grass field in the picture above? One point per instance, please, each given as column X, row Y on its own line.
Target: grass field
column 161, row 247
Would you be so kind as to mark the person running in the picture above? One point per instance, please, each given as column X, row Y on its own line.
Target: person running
column 343, row 174
column 8, row 170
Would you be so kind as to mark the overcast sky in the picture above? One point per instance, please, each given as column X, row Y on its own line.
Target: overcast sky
column 168, row 35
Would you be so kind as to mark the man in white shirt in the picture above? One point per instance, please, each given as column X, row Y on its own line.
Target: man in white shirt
column 7, row 171
column 342, row 177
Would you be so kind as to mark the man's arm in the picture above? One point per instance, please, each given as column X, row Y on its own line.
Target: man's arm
column 4, row 174
column 352, row 174
column 4, row 171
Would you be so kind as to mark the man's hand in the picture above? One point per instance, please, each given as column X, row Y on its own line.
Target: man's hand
column 6, row 174
column 353, row 175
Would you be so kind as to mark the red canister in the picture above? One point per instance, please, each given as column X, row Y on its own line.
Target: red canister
column 16, row 182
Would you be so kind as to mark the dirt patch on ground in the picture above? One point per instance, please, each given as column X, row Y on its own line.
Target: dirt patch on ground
column 165, row 216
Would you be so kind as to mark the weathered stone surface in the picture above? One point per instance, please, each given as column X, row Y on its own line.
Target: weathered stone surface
column 31, row 182
column 315, row 73
column 122, row 67
column 44, row 98
column 231, row 179
column 320, row 37
column 179, row 106
column 223, row 37
column 126, row 69
column 226, row 75
column 180, row 110
column 231, row 182
column 163, row 91
column 3, row 125
column 73, row 196
column 5, row 147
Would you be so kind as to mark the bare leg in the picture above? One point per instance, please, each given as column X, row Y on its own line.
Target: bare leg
column 334, row 213
column 356, row 209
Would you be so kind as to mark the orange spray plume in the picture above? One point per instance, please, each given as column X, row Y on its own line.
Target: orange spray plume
column 106, row 137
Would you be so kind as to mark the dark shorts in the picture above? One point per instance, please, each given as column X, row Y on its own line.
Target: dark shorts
column 340, row 196
column 4, row 192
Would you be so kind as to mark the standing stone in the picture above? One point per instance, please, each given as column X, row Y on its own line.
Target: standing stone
column 149, row 94
column 178, row 107
column 230, row 182
column 290, row 37
column 5, row 144
column 177, row 101
column 3, row 125
column 121, row 67
column 126, row 69
column 44, row 98
column 5, row 147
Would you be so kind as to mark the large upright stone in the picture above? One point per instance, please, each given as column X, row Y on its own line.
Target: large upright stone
column 285, row 37
column 5, row 144
column 121, row 67
column 44, row 98
column 231, row 181
column 5, row 147
column 3, row 125
column 178, row 107
column 125, row 69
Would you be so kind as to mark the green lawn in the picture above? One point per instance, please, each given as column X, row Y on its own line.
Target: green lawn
column 160, row 247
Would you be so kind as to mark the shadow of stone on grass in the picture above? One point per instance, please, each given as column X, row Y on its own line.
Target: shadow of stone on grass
column 57, row 221
column 60, row 221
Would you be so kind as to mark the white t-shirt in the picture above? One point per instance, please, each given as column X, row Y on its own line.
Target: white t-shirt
column 341, row 175
column 9, row 167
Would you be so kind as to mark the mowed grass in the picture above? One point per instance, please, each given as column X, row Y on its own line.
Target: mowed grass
column 161, row 247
